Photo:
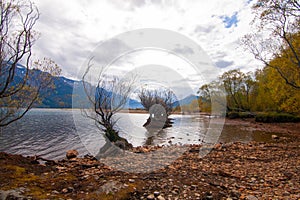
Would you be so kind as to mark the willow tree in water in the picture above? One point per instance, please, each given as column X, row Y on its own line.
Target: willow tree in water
column 107, row 97
column 159, row 104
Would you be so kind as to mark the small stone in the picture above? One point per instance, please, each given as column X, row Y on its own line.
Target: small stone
column 160, row 197
column 72, row 154
column 156, row 193
column 235, row 193
column 65, row 190
column 193, row 187
column 70, row 189
column 275, row 137
column 150, row 197
column 174, row 192
column 55, row 192
column 251, row 197
column 253, row 179
column 131, row 180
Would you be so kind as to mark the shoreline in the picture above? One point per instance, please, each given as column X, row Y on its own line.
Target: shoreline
column 291, row 128
column 234, row 170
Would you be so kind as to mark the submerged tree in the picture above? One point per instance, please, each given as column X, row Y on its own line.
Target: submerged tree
column 107, row 98
column 20, row 85
column 159, row 103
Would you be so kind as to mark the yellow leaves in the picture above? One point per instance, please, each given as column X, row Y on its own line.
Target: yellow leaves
column 274, row 94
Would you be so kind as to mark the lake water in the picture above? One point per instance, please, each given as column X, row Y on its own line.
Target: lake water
column 51, row 132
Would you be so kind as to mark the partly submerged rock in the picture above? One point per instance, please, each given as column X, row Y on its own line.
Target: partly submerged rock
column 72, row 154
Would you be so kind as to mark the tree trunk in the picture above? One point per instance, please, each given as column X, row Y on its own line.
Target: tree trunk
column 157, row 124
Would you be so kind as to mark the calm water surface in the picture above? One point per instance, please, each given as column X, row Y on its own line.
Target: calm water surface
column 51, row 132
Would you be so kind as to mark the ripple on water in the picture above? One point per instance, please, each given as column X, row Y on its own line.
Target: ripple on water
column 51, row 132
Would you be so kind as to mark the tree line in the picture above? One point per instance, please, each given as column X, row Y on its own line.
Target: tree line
column 276, row 43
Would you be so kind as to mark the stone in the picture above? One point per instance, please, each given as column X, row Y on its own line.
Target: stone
column 72, row 154
column 156, row 193
column 253, row 179
column 160, row 197
column 218, row 146
column 275, row 137
column 71, row 189
column 65, row 190
column 235, row 193
column 174, row 192
column 193, row 187
column 150, row 197
column 131, row 180
column 251, row 197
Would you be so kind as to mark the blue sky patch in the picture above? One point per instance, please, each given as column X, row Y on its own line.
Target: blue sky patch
column 230, row 21
column 249, row 1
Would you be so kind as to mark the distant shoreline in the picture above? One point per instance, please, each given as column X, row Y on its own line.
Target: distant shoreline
column 135, row 111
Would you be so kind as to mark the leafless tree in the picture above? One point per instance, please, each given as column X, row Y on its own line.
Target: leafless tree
column 107, row 98
column 281, row 18
column 159, row 103
column 19, row 92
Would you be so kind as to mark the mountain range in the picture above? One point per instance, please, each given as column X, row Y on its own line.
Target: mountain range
column 61, row 95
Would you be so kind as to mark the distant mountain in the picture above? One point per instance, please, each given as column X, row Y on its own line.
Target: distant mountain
column 133, row 104
column 130, row 104
column 61, row 95
column 187, row 100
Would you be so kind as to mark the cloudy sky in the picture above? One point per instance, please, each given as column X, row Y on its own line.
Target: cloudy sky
column 72, row 29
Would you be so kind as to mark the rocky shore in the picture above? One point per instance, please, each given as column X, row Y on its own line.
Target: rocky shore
column 229, row 171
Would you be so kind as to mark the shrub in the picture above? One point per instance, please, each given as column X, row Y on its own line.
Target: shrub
column 235, row 115
column 276, row 117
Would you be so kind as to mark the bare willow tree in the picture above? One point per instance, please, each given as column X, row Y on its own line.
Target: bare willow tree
column 107, row 97
column 159, row 103
column 277, row 24
column 20, row 86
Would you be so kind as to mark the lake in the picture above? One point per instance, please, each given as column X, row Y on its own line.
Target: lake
column 51, row 132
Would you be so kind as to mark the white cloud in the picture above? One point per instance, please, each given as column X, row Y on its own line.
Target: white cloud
column 70, row 30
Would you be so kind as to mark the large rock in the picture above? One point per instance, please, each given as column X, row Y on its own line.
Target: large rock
column 72, row 154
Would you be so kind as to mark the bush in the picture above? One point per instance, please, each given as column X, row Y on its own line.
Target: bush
column 235, row 115
column 276, row 117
